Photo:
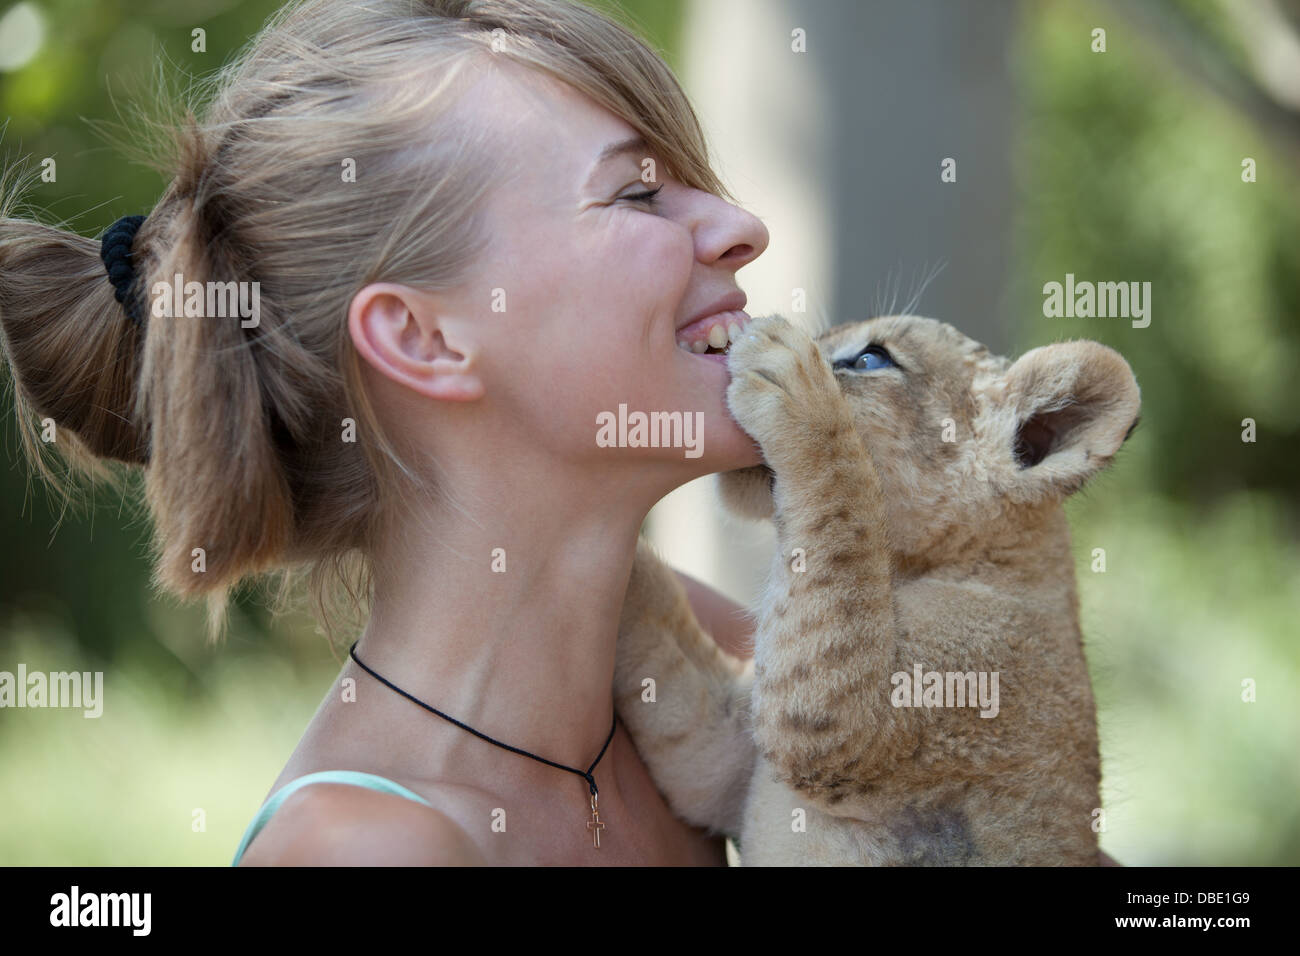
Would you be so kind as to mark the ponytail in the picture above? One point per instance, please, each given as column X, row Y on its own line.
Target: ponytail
column 215, row 484
column 73, row 353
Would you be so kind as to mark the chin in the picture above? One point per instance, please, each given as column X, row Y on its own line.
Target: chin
column 727, row 447
column 747, row 492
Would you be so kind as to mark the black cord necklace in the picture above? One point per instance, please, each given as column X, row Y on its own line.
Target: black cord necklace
column 595, row 825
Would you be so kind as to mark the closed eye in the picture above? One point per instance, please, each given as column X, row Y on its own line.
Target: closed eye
column 649, row 197
column 868, row 360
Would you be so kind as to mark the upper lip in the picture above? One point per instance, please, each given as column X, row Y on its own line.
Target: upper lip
column 729, row 303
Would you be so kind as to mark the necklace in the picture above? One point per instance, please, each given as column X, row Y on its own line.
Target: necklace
column 595, row 824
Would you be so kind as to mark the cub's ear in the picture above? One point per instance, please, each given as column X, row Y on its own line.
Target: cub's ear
column 1062, row 413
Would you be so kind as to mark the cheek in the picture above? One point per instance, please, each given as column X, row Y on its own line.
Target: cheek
column 628, row 303
column 644, row 263
column 614, row 336
column 594, row 318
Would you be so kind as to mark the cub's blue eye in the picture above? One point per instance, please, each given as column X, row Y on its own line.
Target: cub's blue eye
column 869, row 359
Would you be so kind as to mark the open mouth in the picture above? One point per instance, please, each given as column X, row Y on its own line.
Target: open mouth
column 713, row 334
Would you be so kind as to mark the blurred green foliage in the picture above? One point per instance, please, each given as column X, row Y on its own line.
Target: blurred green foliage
column 1127, row 172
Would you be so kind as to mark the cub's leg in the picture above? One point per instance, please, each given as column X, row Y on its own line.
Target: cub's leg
column 694, row 735
column 825, row 634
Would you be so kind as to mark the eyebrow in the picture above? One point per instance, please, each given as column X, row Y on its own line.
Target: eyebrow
column 636, row 144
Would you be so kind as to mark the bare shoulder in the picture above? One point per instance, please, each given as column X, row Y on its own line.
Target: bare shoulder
column 335, row 824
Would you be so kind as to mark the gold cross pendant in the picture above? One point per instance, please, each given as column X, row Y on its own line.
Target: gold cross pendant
column 594, row 824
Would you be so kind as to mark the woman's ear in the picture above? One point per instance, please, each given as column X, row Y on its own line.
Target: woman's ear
column 404, row 335
column 1063, row 412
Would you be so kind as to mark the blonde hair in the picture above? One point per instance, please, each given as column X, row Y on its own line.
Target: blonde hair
column 239, row 430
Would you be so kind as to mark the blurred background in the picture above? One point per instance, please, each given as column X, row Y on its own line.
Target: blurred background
column 831, row 120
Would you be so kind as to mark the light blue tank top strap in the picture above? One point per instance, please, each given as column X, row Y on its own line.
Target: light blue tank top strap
column 355, row 777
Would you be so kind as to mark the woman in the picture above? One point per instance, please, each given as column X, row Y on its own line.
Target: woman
column 466, row 230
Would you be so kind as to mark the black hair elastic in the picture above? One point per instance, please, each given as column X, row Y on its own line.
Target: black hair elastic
column 115, row 251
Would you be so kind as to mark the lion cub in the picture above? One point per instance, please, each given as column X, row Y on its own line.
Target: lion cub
column 916, row 483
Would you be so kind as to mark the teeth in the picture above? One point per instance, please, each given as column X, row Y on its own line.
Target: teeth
column 719, row 338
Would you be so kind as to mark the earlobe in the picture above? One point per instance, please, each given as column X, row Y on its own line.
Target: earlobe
column 400, row 332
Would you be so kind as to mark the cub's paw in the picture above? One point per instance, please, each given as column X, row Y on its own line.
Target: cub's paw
column 782, row 391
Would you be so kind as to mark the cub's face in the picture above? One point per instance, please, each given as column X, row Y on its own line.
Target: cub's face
column 959, row 435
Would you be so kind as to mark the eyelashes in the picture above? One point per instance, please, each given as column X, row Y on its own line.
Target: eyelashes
column 649, row 197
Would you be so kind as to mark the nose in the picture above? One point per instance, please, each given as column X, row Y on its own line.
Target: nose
column 727, row 235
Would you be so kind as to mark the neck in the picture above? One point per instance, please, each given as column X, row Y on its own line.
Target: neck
column 524, row 655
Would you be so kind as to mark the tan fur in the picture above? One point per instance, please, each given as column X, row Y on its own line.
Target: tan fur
column 950, row 555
